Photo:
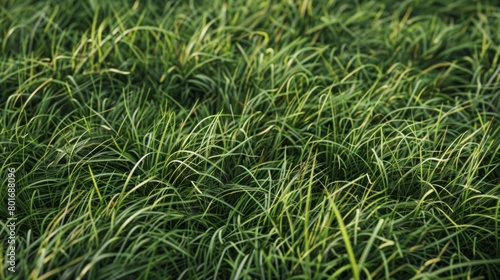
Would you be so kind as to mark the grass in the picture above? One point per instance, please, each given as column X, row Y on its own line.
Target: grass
column 252, row 139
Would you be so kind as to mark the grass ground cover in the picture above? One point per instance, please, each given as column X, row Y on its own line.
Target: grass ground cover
column 251, row 139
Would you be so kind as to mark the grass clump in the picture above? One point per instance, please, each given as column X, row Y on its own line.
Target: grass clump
column 252, row 140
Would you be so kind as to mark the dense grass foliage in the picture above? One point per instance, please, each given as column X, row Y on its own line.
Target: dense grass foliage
column 309, row 139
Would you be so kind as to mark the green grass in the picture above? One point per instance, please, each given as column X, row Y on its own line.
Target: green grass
column 252, row 139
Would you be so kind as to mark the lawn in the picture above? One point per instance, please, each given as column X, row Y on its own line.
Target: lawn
column 278, row 139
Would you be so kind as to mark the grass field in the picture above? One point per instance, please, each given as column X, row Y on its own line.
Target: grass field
column 308, row 139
